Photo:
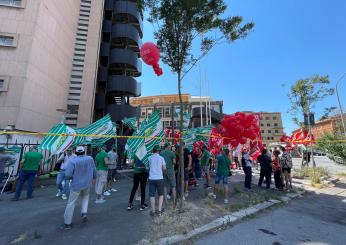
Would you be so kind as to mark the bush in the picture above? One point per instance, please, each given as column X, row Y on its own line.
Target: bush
column 335, row 147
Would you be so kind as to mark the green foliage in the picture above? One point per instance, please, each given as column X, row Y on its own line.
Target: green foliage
column 335, row 145
column 327, row 112
column 305, row 93
column 314, row 174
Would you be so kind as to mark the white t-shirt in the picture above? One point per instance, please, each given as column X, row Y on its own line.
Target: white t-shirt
column 155, row 166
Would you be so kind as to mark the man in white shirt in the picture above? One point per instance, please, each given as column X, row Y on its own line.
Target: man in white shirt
column 63, row 188
column 156, row 167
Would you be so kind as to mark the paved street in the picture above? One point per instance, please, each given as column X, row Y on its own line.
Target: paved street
column 324, row 162
column 314, row 219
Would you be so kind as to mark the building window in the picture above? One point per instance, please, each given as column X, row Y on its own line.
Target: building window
column 267, row 118
column 268, row 124
column 269, row 131
column 262, row 124
column 12, row 3
column 4, row 83
column 275, row 125
column 262, row 131
column 8, row 39
column 274, row 118
column 268, row 138
column 143, row 114
column 167, row 112
column 276, row 131
column 272, row 138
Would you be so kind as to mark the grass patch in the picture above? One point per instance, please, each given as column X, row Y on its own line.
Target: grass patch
column 342, row 174
column 315, row 175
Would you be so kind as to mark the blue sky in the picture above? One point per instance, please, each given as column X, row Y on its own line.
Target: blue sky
column 292, row 39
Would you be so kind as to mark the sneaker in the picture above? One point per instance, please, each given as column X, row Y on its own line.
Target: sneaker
column 209, row 187
column 64, row 197
column 100, row 201
column 152, row 213
column 168, row 197
column 225, row 201
column 58, row 194
column 160, row 213
column 143, row 207
column 214, row 196
column 184, row 198
column 84, row 218
column 106, row 193
column 114, row 190
column 129, row 207
column 66, row 227
column 186, row 194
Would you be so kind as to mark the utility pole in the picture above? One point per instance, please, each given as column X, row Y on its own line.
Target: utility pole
column 310, row 134
column 340, row 107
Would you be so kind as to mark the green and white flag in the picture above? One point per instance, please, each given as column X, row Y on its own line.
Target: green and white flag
column 104, row 126
column 58, row 143
column 130, row 123
column 143, row 142
column 193, row 135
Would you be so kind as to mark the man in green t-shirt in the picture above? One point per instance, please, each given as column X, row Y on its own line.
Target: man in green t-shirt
column 30, row 165
column 222, row 172
column 169, row 174
column 102, row 162
column 205, row 165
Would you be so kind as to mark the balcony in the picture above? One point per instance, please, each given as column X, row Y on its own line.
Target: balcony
column 100, row 101
column 125, row 62
column 107, row 26
column 126, row 36
column 127, row 12
column 105, row 49
column 102, row 75
column 124, row 86
column 109, row 5
column 119, row 112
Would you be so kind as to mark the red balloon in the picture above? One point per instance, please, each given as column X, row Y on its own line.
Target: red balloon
column 150, row 54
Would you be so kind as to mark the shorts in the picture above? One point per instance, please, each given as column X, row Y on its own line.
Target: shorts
column 111, row 174
column 218, row 178
column 155, row 185
column 169, row 179
column 205, row 169
column 288, row 170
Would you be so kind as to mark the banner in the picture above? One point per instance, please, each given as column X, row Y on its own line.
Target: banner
column 130, row 123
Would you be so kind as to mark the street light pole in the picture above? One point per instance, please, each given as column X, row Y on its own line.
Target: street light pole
column 340, row 107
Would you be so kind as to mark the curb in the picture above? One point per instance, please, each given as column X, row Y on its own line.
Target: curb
column 228, row 219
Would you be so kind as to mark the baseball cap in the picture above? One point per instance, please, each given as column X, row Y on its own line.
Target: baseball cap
column 80, row 149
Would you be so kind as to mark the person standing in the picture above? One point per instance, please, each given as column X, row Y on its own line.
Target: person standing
column 156, row 167
column 140, row 176
column 277, row 171
column 286, row 164
column 112, row 168
column 222, row 173
column 30, row 165
column 205, row 165
column 187, row 167
column 266, row 168
column 81, row 169
column 60, row 178
column 169, row 174
column 101, row 175
column 247, row 168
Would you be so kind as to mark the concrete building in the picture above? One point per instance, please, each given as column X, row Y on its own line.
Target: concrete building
column 63, row 55
column 166, row 104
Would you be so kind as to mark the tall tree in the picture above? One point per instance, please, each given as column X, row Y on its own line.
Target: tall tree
column 305, row 93
column 182, row 24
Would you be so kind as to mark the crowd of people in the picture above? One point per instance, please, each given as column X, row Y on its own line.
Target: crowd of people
column 79, row 172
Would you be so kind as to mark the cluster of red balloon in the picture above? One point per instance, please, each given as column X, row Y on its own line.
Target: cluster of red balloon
column 150, row 54
column 238, row 127
column 215, row 142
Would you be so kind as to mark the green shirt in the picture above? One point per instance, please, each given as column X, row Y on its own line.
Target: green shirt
column 32, row 160
column 205, row 158
column 100, row 161
column 222, row 165
column 169, row 156
column 138, row 166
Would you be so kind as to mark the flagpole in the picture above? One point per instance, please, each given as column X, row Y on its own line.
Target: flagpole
column 206, row 99
column 200, row 97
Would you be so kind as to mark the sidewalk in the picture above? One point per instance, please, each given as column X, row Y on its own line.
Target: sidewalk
column 37, row 221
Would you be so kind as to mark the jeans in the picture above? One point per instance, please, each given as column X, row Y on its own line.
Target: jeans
column 59, row 180
column 139, row 179
column 198, row 170
column 268, row 175
column 248, row 177
column 71, row 203
column 278, row 179
column 24, row 175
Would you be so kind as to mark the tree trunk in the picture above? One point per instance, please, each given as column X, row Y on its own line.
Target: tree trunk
column 181, row 154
